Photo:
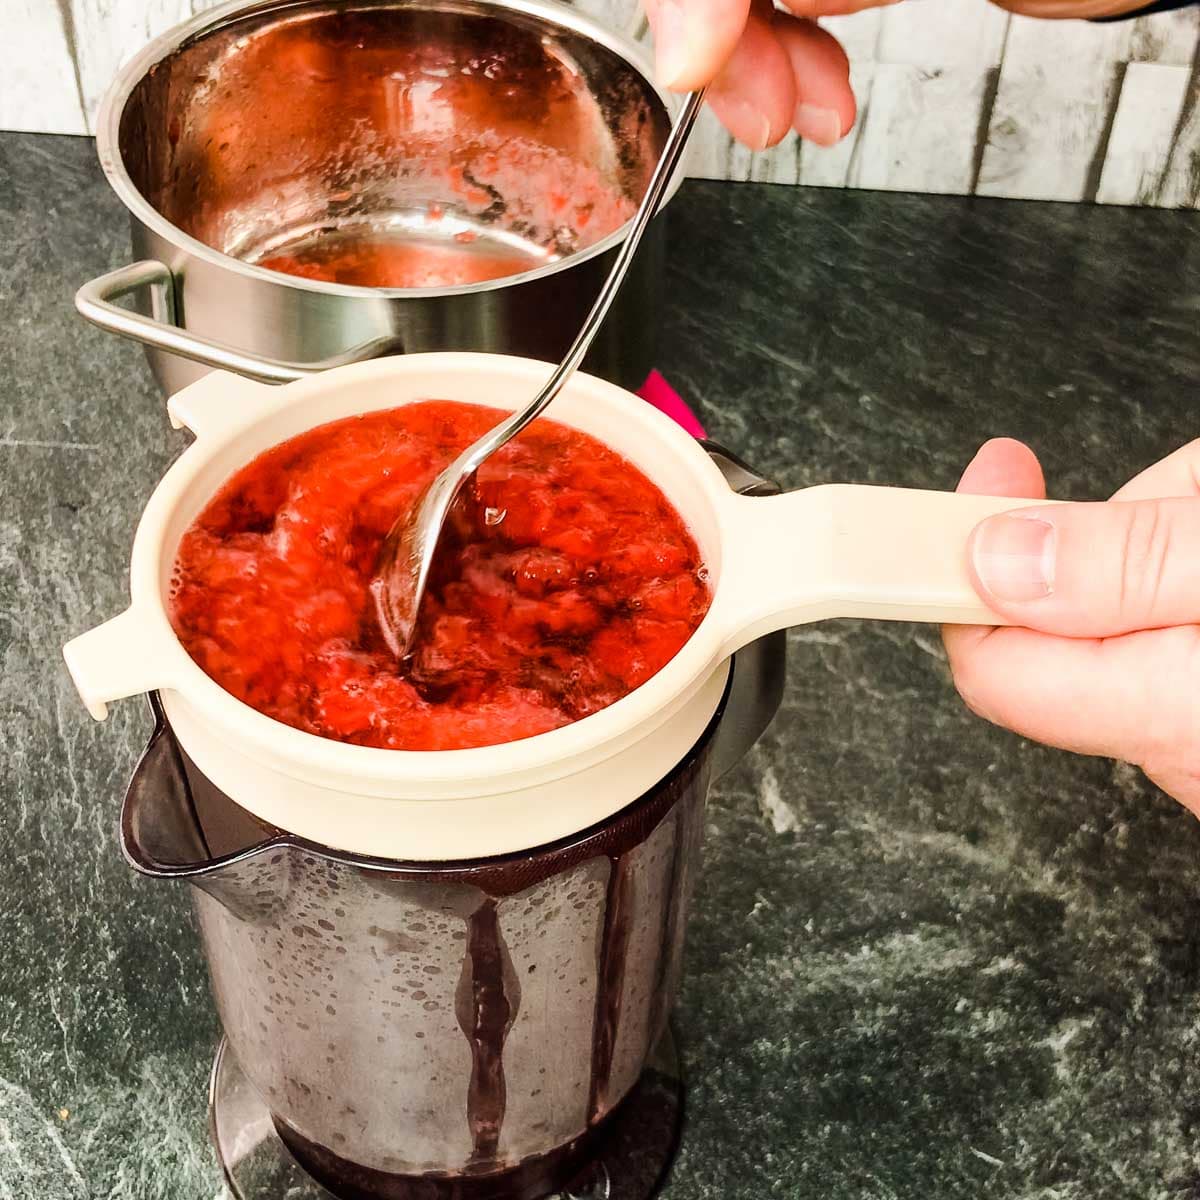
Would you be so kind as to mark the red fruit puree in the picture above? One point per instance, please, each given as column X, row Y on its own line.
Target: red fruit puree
column 565, row 580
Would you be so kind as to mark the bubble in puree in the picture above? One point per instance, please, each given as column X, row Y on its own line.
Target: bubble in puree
column 565, row 580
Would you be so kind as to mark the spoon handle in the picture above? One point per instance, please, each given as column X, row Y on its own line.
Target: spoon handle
column 664, row 172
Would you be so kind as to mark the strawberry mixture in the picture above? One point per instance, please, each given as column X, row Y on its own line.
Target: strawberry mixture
column 564, row 581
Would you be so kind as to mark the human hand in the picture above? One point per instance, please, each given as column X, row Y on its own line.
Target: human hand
column 1107, row 596
column 772, row 71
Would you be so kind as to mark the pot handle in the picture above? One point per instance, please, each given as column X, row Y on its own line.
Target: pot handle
column 95, row 303
column 847, row 550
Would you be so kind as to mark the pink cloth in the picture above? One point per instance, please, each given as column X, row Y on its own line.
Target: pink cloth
column 657, row 391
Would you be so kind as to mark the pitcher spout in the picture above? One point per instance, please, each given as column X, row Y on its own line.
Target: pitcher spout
column 174, row 823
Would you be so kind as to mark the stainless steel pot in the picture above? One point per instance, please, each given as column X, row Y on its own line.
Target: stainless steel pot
column 517, row 127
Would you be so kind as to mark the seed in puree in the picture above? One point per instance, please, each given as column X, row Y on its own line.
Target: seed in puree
column 565, row 580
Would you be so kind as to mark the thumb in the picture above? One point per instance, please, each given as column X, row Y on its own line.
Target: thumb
column 1092, row 570
column 694, row 39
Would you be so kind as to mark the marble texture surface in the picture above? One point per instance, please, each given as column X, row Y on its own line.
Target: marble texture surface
column 927, row 959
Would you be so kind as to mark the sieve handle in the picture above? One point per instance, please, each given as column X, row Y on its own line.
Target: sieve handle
column 843, row 550
column 220, row 403
column 129, row 654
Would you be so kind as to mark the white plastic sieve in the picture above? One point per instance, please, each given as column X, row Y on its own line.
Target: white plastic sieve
column 809, row 555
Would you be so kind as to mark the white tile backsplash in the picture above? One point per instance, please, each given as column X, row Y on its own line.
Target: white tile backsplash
column 954, row 96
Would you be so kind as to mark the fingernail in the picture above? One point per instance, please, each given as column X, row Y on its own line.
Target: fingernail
column 670, row 42
column 747, row 123
column 1014, row 557
column 816, row 124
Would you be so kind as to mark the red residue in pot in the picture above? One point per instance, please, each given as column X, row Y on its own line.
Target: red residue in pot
column 388, row 263
column 565, row 581
column 504, row 136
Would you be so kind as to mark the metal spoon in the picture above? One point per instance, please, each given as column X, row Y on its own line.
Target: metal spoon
column 408, row 550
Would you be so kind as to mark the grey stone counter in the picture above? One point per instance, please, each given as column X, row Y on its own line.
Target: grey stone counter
column 928, row 960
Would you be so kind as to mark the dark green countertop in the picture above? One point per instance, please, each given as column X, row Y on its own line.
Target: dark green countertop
column 928, row 960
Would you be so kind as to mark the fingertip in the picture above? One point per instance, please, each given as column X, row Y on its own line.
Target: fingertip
column 820, row 124
column 747, row 122
column 1004, row 467
column 755, row 95
column 1006, row 445
column 825, row 106
column 682, row 75
column 959, row 642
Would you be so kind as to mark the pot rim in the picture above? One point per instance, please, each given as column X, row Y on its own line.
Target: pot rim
column 112, row 109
